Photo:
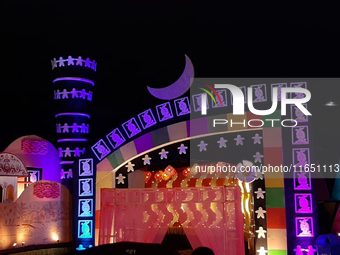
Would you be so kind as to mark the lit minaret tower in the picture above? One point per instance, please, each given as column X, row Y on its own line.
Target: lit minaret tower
column 73, row 84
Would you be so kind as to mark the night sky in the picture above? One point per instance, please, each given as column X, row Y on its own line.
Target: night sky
column 144, row 45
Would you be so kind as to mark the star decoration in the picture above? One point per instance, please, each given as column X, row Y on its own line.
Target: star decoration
column 182, row 149
column 222, row 142
column 239, row 140
column 54, row 63
column 261, row 232
column 120, row 179
column 298, row 249
column 130, row 167
column 88, row 63
column 203, row 146
column 62, row 174
column 163, row 154
column 94, row 65
column 257, row 139
column 260, row 213
column 79, row 61
column 146, row 159
column 61, row 61
column 70, row 61
column 262, row 251
column 310, row 250
column 259, row 174
column 258, row 157
column 259, row 193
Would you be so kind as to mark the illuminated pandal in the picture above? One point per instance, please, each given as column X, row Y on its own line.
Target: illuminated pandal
column 229, row 181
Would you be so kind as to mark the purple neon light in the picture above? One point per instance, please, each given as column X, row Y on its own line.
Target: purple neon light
column 164, row 111
column 182, row 106
column 147, row 119
column 297, row 115
column 261, row 95
column 73, row 79
column 66, row 162
column 115, row 138
column 72, row 140
column 101, row 149
column 302, row 180
column 301, row 157
column 297, row 85
column 278, row 86
column 303, row 203
column 304, row 226
column 223, row 95
column 72, row 113
column 300, row 135
column 197, row 100
column 131, row 127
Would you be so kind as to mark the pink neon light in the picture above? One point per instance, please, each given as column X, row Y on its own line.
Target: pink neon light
column 304, row 226
column 66, row 162
column 73, row 79
column 72, row 113
column 303, row 203
column 72, row 140
column 302, row 180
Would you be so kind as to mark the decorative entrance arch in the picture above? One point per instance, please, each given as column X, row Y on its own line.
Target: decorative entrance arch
column 277, row 232
column 210, row 216
column 180, row 132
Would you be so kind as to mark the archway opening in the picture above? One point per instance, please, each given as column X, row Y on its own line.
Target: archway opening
column 176, row 238
column 10, row 193
column 1, row 194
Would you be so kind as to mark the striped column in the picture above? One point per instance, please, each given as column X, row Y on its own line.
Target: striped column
column 73, row 84
column 274, row 184
column 300, row 192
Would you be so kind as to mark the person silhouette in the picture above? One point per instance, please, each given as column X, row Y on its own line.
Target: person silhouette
column 203, row 251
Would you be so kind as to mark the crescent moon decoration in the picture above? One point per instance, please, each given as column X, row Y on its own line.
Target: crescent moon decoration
column 179, row 87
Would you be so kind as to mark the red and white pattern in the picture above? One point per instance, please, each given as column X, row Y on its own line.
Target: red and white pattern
column 30, row 146
column 46, row 190
column 11, row 165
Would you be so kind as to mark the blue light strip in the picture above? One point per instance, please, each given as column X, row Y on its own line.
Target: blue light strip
column 73, row 79
column 72, row 113
column 72, row 140
column 66, row 162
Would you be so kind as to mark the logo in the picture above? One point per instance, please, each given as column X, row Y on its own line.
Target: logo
column 277, row 95
column 204, row 98
column 238, row 99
